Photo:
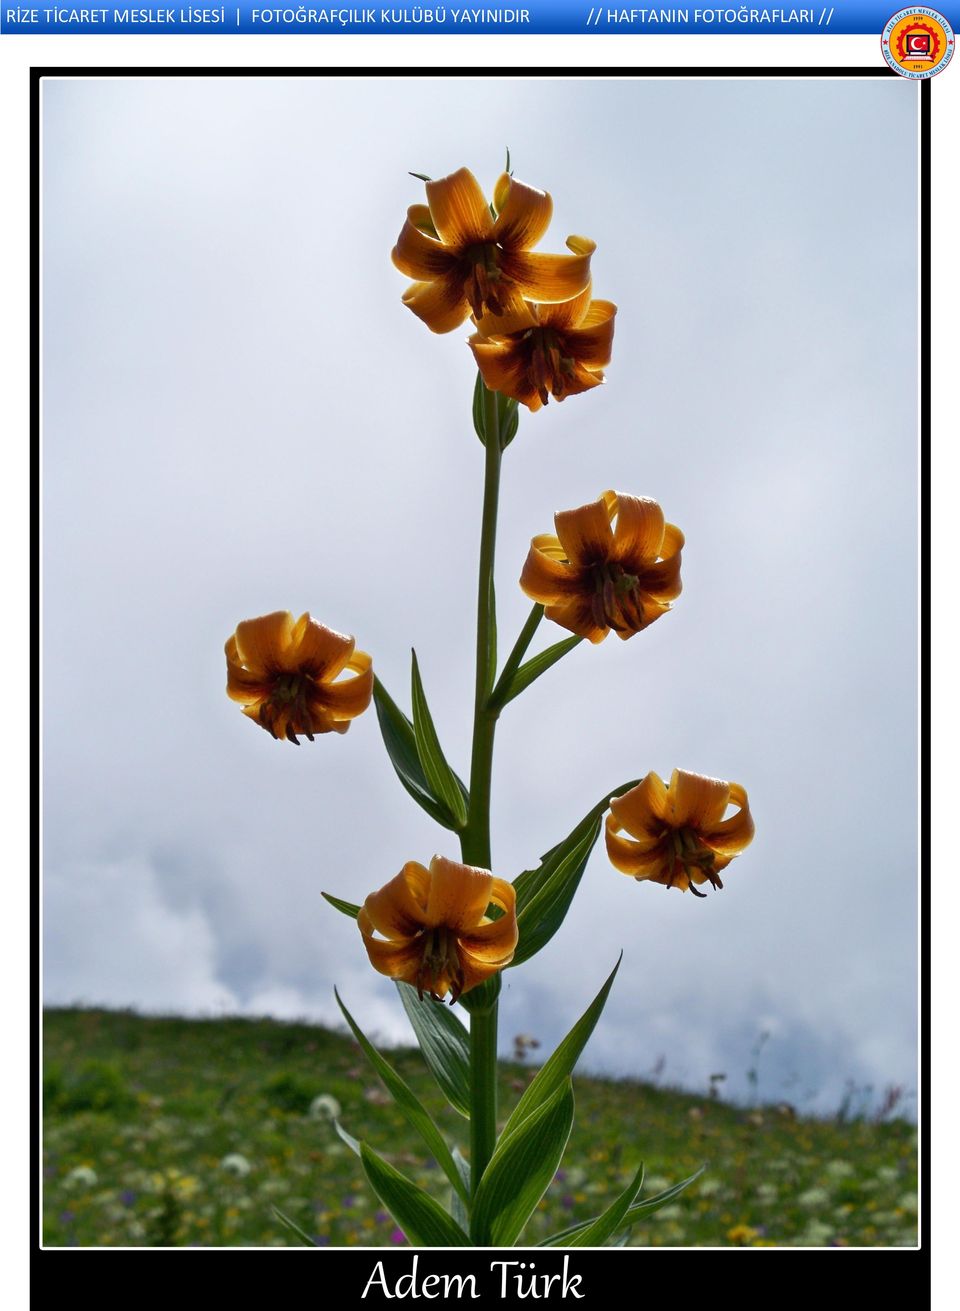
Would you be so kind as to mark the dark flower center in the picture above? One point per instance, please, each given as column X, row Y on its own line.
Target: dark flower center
column 440, row 961
column 549, row 369
column 484, row 280
column 688, row 853
column 616, row 599
column 285, row 712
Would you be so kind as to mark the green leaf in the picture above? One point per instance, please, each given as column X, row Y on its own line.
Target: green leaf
column 555, row 1073
column 407, row 1101
column 637, row 1212
column 305, row 1239
column 457, row 1207
column 348, row 1138
column 547, row 896
column 441, row 780
column 508, row 417
column 520, row 1171
column 401, row 743
column 347, row 907
column 445, row 1045
column 422, row 1219
column 612, row 1219
column 534, row 667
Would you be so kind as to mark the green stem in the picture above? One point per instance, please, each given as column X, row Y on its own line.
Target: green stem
column 475, row 838
column 519, row 651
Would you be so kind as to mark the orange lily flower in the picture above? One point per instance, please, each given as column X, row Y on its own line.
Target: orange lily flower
column 677, row 834
column 592, row 577
column 285, row 671
column 434, row 930
column 546, row 350
column 464, row 259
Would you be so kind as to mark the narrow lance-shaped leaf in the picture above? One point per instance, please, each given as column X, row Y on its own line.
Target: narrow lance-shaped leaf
column 612, row 1219
column 346, row 907
column 401, row 743
column 441, row 779
column 545, row 908
column 520, row 1171
column 420, row 1216
column 531, row 670
column 445, row 1045
column 557, row 1070
column 637, row 1212
column 407, row 1101
column 305, row 1239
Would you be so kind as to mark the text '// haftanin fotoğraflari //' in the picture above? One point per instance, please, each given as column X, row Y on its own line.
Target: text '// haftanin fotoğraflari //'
column 505, row 1278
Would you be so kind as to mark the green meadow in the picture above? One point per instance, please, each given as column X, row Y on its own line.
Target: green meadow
column 175, row 1132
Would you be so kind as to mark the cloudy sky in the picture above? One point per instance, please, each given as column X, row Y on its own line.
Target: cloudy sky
column 240, row 416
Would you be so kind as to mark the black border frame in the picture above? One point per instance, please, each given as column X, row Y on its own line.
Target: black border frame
column 855, row 1275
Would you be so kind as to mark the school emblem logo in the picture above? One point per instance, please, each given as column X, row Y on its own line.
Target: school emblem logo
column 918, row 43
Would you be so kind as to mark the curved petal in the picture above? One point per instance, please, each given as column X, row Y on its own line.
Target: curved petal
column 474, row 971
column 638, row 535
column 579, row 380
column 585, row 533
column 630, row 857
column 241, row 685
column 348, row 697
column 397, row 960
column 441, row 304
column 644, row 811
column 459, row 894
column 565, row 315
column 319, row 650
column 661, row 583
column 418, row 255
column 518, row 315
column 397, row 910
column 263, row 645
column 503, row 369
column 493, row 943
column 545, row 578
column 459, row 211
column 696, row 800
column 524, row 213
column 733, row 835
column 591, row 344
column 578, row 616
column 548, row 278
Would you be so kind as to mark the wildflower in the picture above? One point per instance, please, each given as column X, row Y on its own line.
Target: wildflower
column 435, row 932
column 83, row 1176
column 467, row 257
column 285, row 671
column 236, row 1164
column 742, row 1234
column 592, row 577
column 546, row 350
column 678, row 835
column 325, row 1107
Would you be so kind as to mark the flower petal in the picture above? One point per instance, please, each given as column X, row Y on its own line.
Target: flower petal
column 348, row 697
column 319, row 650
column 459, row 894
column 585, row 533
column 263, row 645
column 503, row 368
column 696, row 800
column 441, row 304
column 418, row 255
column 548, row 278
column 544, row 577
column 459, row 211
column 644, row 811
column 524, row 213
column 397, row 960
column 518, row 315
column 578, row 616
column 591, row 341
column 241, row 685
column 638, row 536
column 567, row 314
column 631, row 857
column 733, row 835
column 397, row 910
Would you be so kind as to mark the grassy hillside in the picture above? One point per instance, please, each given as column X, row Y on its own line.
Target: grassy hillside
column 178, row 1132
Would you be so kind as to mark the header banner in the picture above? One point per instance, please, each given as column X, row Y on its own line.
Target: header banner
column 533, row 17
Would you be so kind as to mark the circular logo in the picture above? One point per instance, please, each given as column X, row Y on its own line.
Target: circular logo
column 918, row 43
